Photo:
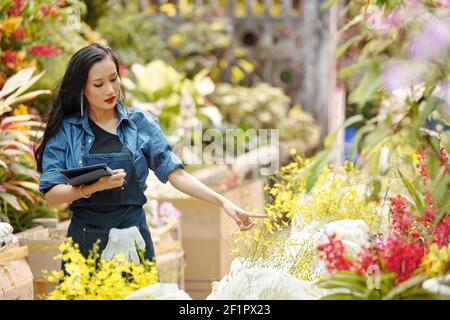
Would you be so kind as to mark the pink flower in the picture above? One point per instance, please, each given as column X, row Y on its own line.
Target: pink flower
column 401, row 73
column 433, row 43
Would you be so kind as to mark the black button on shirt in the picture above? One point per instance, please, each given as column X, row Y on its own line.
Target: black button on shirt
column 104, row 142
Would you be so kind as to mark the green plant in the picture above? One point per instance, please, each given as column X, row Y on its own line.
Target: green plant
column 188, row 44
column 18, row 178
column 263, row 107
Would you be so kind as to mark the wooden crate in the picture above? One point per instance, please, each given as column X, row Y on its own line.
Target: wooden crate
column 16, row 278
column 205, row 237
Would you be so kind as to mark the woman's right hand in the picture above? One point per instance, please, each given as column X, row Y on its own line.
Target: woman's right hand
column 111, row 182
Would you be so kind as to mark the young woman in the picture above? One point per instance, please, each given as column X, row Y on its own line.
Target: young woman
column 88, row 125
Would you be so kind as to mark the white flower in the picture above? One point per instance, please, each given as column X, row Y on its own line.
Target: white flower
column 261, row 284
column 159, row 291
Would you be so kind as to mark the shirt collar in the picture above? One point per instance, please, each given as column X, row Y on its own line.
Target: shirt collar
column 122, row 114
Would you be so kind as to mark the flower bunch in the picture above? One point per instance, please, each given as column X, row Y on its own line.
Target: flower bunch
column 162, row 213
column 335, row 196
column 94, row 279
column 437, row 261
column 265, row 247
column 392, row 256
column 408, row 226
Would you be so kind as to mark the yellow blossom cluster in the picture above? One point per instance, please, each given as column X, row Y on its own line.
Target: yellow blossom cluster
column 335, row 196
column 437, row 261
column 94, row 279
column 265, row 246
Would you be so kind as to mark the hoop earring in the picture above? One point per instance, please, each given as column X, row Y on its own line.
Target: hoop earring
column 81, row 105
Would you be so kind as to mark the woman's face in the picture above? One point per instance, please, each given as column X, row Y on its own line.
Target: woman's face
column 103, row 85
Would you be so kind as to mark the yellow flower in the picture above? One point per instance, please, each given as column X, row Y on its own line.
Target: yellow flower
column 10, row 25
column 93, row 278
column 437, row 262
column 20, row 110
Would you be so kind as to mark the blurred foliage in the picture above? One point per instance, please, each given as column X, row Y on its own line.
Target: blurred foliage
column 177, row 101
column 20, row 199
column 44, row 34
column 408, row 101
column 95, row 9
column 263, row 107
column 188, row 44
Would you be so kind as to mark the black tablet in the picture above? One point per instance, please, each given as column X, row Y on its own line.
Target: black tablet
column 87, row 174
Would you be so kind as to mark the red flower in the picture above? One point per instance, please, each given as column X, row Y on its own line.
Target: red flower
column 19, row 34
column 442, row 232
column 48, row 11
column 333, row 254
column 366, row 261
column 123, row 70
column 10, row 58
column 402, row 258
column 400, row 215
column 444, row 163
column 423, row 164
column 15, row 9
column 44, row 50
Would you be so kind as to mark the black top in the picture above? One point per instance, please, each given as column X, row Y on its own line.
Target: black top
column 104, row 142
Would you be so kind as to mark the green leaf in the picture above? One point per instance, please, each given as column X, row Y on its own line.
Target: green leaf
column 347, row 44
column 327, row 5
column 11, row 200
column 322, row 159
column 357, row 138
column 345, row 72
column 351, row 285
column 341, row 296
column 367, row 86
column 331, row 138
column 405, row 286
column 357, row 19
column 412, row 191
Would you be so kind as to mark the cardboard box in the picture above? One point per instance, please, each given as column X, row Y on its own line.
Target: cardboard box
column 170, row 266
column 43, row 245
column 16, row 278
column 205, row 237
column 167, row 238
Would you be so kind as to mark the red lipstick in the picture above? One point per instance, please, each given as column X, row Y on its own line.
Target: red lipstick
column 110, row 100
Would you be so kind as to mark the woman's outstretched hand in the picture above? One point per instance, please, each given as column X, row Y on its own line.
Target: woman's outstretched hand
column 240, row 216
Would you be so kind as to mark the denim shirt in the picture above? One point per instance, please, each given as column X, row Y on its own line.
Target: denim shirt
column 137, row 129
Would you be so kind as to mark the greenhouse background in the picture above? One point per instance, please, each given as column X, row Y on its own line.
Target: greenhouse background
column 331, row 117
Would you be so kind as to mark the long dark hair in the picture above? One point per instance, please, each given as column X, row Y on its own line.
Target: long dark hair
column 66, row 97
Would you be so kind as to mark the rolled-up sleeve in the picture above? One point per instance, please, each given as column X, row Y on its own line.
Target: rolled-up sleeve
column 53, row 160
column 158, row 151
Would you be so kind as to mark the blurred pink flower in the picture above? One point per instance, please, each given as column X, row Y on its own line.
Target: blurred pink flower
column 433, row 43
column 400, row 74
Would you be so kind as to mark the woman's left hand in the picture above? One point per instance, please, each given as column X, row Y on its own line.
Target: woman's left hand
column 240, row 216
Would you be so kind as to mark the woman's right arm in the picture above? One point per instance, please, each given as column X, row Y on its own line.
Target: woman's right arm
column 63, row 193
